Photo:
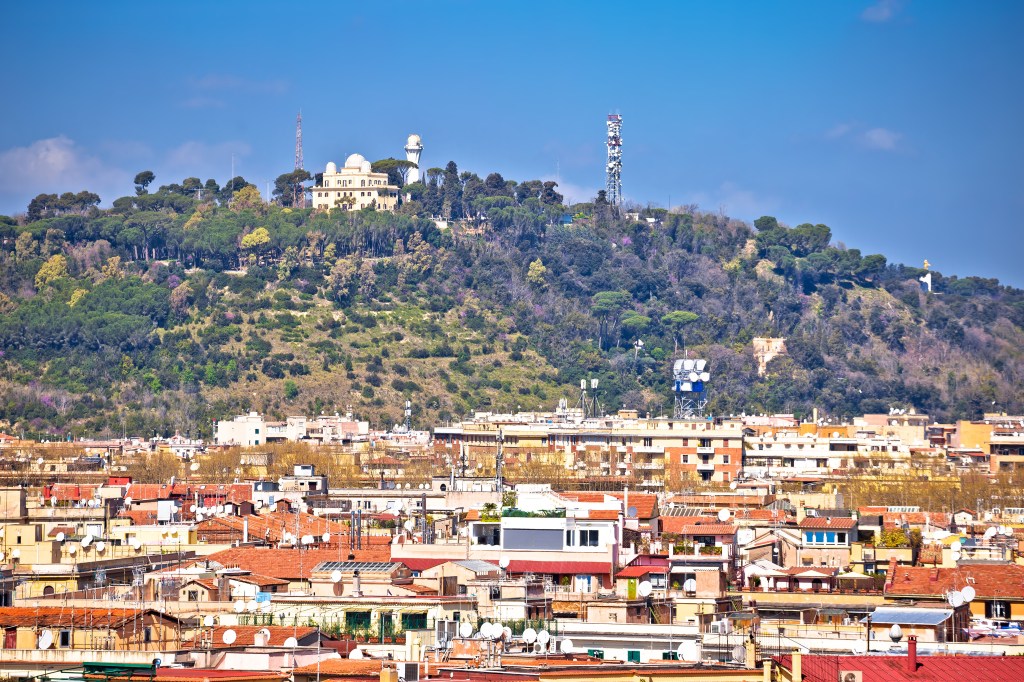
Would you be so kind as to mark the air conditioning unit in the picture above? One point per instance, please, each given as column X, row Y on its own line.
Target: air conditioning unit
column 410, row 672
column 851, row 676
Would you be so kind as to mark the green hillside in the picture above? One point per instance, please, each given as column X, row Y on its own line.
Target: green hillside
column 169, row 310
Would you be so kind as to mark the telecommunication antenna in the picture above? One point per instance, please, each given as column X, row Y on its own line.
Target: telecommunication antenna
column 299, row 198
column 408, row 416
column 613, row 181
column 689, row 379
column 499, row 461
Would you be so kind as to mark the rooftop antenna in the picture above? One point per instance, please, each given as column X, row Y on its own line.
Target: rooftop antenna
column 689, row 378
column 298, row 199
column 499, row 461
column 408, row 416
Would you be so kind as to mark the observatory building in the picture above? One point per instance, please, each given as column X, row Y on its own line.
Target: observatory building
column 354, row 187
column 413, row 149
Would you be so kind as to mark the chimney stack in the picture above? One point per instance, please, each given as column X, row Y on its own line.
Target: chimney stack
column 797, row 666
column 912, row 654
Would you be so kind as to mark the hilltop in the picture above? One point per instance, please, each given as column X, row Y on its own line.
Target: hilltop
column 167, row 311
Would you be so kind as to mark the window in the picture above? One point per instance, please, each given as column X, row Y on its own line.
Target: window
column 193, row 595
column 841, row 538
column 64, row 640
column 633, row 656
column 414, row 621
column 147, row 635
column 725, row 459
column 568, row 538
column 588, row 538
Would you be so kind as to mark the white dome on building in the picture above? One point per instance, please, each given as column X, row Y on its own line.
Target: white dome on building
column 355, row 161
column 331, row 167
column 414, row 141
column 365, row 166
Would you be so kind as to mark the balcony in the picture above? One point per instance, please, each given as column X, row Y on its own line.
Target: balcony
column 705, row 450
column 705, row 466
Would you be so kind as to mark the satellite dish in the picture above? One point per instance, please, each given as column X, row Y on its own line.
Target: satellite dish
column 16, row 554
column 990, row 533
column 485, row 631
column 688, row 365
column 895, row 633
column 738, row 654
column 100, row 546
column 208, row 621
column 60, row 536
column 128, row 501
column 504, row 562
column 53, row 500
column 506, row 633
column 956, row 599
column 565, row 646
column 705, row 376
column 135, row 543
column 194, row 466
column 956, row 546
column 733, row 485
column 251, row 606
column 409, row 525
column 40, row 463
column 239, row 606
column 229, row 637
column 860, row 648
column 529, row 635
column 543, row 637
column 71, row 550
column 45, row 640
column 699, row 365
column 631, row 513
column 465, row 630
column 335, row 576
column 644, row 588
column 327, row 537
column 687, row 650
column 968, row 594
column 87, row 540
column 689, row 585
column 193, row 508
column 693, row 376
column 265, row 607
column 724, row 515
column 292, row 642
column 355, row 654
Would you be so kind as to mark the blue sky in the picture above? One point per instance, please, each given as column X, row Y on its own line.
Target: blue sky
column 896, row 123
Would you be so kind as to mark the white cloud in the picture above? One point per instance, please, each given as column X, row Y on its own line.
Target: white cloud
column 880, row 138
column 55, row 165
column 882, row 11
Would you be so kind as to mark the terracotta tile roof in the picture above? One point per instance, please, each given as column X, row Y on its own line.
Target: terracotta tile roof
column 245, row 635
column 603, row 514
column 893, row 519
column 342, row 667
column 203, row 674
column 519, row 566
column 640, row 571
column 69, row 492
column 260, row 580
column 672, row 524
column 157, row 491
column 139, row 517
column 56, row 616
column 1004, row 581
column 67, row 530
column 872, row 511
column 779, row 515
column 272, row 526
column 828, row 522
column 893, row 668
column 284, row 563
column 688, row 527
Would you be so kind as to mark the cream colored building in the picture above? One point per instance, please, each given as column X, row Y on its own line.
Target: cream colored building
column 354, row 187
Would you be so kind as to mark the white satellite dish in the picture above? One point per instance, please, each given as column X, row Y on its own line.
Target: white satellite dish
column 733, row 485
column 465, row 630
column 53, row 500
column 192, row 508
column 239, row 606
column 644, row 588
column 87, row 540
column 956, row 598
column 688, row 364
column 956, row 546
column 16, row 554
column 135, row 543
column 208, row 621
column 292, row 642
column 327, row 537
column 543, row 637
column 251, row 606
column 229, row 637
column 409, row 525
column 689, row 585
column 565, row 646
column 128, row 501
column 194, row 466
column 45, row 640
column 265, row 607
column 990, row 533
column 100, row 546
column 529, row 635
column 687, row 650
column 699, row 365
column 71, row 550
column 506, row 633
column 335, row 576
column 355, row 654
column 738, row 654
column 504, row 562
column 705, row 376
column 60, row 536
column 485, row 631
column 724, row 515
column 968, row 594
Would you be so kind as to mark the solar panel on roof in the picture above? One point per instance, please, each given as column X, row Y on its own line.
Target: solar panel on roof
column 349, row 566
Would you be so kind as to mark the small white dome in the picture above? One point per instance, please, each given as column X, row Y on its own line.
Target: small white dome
column 355, row 161
column 364, row 166
column 414, row 140
column 331, row 167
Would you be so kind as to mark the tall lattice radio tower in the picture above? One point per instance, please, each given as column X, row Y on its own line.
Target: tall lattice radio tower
column 613, row 181
column 300, row 201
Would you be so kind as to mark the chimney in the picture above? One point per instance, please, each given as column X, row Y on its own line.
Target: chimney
column 892, row 571
column 357, row 590
column 245, row 530
column 912, row 654
column 797, row 667
column 750, row 659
